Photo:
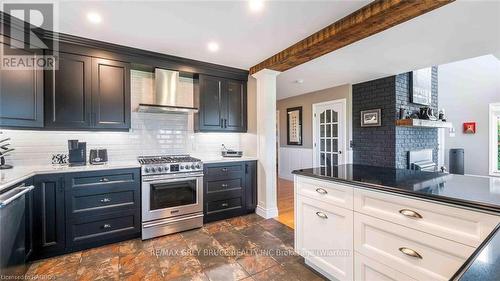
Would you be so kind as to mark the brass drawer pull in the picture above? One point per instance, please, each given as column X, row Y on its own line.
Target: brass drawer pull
column 105, row 200
column 321, row 215
column 224, row 204
column 104, row 180
column 410, row 213
column 106, row 226
column 410, row 252
column 321, row 191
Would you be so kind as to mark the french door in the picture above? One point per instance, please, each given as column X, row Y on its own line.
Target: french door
column 329, row 132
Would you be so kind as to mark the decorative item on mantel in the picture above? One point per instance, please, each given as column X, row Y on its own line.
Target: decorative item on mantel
column 4, row 151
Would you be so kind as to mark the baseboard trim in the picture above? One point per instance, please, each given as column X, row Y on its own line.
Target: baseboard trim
column 319, row 270
column 266, row 213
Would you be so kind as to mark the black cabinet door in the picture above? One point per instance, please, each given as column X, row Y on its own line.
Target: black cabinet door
column 210, row 114
column 110, row 94
column 68, row 93
column 235, row 106
column 48, row 216
column 21, row 94
column 251, row 186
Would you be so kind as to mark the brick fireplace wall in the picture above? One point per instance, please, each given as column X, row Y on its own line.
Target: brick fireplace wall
column 374, row 145
column 388, row 145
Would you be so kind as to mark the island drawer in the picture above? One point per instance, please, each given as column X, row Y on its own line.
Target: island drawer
column 366, row 269
column 456, row 224
column 415, row 253
column 328, row 192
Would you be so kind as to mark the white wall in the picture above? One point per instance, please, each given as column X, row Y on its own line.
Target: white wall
column 466, row 88
column 150, row 134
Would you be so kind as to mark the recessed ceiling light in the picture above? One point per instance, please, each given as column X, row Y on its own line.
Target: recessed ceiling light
column 94, row 17
column 213, row 46
column 256, row 5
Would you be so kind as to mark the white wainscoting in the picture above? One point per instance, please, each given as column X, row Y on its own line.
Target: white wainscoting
column 291, row 158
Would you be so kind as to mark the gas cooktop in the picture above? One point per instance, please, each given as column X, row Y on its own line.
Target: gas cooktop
column 169, row 164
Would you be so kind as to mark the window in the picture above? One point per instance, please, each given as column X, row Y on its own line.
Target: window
column 495, row 139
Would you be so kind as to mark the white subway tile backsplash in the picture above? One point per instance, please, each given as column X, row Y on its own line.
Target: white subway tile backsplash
column 150, row 134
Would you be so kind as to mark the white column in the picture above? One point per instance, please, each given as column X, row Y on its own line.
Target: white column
column 267, row 206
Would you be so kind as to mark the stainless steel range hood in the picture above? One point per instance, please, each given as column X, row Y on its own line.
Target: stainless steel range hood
column 166, row 98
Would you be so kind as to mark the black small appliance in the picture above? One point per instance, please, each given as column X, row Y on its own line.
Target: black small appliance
column 98, row 156
column 77, row 155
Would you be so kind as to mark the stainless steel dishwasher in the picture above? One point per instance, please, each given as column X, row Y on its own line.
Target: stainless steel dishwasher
column 13, row 231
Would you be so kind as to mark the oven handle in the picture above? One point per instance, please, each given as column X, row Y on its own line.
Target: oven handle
column 157, row 181
column 170, row 221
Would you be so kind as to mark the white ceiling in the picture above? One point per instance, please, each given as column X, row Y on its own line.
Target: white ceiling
column 460, row 30
column 184, row 28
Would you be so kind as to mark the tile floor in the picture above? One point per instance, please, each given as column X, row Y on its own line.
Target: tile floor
column 242, row 248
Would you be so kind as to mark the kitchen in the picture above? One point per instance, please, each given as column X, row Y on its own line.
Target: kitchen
column 123, row 163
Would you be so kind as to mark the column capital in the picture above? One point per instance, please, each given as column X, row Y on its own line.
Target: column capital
column 266, row 73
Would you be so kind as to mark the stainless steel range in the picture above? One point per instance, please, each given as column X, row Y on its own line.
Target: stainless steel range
column 172, row 194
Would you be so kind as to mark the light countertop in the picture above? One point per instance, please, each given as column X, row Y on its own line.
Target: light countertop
column 19, row 173
column 208, row 159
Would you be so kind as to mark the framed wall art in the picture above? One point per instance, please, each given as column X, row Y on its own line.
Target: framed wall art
column 294, row 125
column 421, row 86
column 371, row 118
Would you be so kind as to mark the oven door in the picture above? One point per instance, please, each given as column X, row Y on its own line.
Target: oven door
column 166, row 198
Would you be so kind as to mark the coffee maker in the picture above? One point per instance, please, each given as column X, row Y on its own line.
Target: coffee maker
column 77, row 155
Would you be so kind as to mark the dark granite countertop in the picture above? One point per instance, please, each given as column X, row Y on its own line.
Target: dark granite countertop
column 484, row 264
column 481, row 193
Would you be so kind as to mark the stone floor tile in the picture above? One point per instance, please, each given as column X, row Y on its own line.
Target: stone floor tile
column 226, row 272
column 256, row 263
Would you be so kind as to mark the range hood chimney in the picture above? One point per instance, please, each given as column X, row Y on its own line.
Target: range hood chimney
column 166, row 99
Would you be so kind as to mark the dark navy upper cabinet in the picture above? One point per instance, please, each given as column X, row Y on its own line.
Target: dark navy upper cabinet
column 222, row 104
column 68, row 93
column 87, row 93
column 48, row 216
column 21, row 94
column 110, row 94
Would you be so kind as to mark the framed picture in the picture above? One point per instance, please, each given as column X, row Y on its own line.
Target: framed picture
column 421, row 86
column 371, row 118
column 470, row 128
column 294, row 125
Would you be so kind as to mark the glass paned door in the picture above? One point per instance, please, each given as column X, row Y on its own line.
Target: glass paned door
column 328, row 138
column 328, row 134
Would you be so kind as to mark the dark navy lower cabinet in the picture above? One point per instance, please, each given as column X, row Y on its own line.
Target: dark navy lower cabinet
column 48, row 216
column 229, row 189
column 76, row 211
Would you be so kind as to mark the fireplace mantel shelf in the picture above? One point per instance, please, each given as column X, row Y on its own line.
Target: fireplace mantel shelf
column 423, row 123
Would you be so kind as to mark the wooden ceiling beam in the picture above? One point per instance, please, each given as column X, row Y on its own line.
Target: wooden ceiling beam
column 371, row 19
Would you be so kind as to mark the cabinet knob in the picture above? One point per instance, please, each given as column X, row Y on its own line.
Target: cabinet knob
column 321, row 190
column 105, row 200
column 224, row 185
column 321, row 215
column 410, row 213
column 105, row 226
column 410, row 252
column 224, row 169
column 104, row 180
column 224, row 204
